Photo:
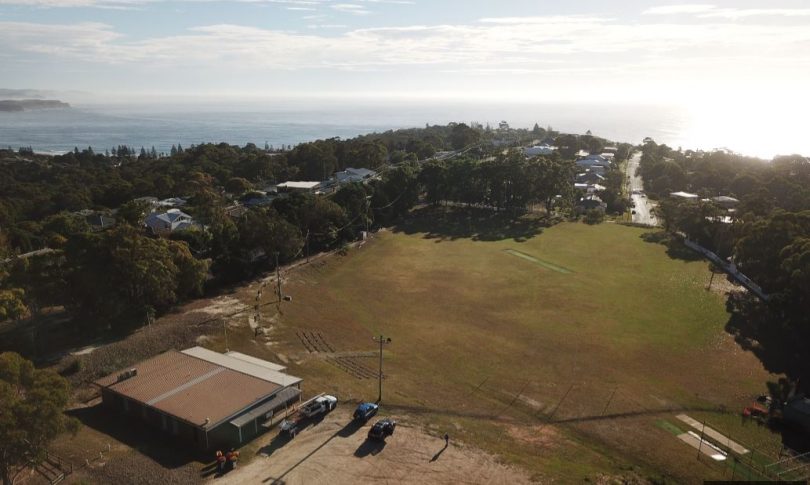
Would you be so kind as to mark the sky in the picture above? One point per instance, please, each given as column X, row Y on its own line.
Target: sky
column 519, row 50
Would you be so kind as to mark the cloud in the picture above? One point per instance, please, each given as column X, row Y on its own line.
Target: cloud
column 553, row 44
column 351, row 8
column 712, row 11
column 326, row 26
column 734, row 13
column 685, row 8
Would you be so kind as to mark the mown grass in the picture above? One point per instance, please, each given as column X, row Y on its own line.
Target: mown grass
column 563, row 374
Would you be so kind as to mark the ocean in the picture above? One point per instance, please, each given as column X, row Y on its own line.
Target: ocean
column 104, row 126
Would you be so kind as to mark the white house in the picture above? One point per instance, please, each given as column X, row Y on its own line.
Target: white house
column 298, row 186
column 538, row 150
column 684, row 195
column 170, row 221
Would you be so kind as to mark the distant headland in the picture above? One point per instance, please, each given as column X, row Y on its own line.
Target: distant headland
column 31, row 104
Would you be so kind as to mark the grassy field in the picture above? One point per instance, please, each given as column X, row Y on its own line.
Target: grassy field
column 559, row 349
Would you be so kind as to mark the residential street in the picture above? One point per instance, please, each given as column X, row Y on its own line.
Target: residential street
column 643, row 206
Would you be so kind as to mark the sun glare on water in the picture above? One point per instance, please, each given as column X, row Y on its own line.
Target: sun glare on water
column 761, row 128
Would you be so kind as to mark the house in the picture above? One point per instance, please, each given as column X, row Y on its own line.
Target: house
column 354, row 175
column 590, row 188
column 684, row 195
column 797, row 411
column 589, row 177
column 235, row 211
column 306, row 187
column 259, row 199
column 99, row 222
column 150, row 201
column 170, row 221
column 608, row 156
column 725, row 201
column 536, row 150
column 203, row 398
column 171, row 202
column 590, row 202
column 592, row 160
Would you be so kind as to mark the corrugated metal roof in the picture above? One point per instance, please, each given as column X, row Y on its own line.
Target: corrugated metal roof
column 283, row 396
column 254, row 360
column 241, row 365
column 194, row 389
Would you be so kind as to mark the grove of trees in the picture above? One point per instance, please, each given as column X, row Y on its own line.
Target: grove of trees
column 767, row 236
column 31, row 414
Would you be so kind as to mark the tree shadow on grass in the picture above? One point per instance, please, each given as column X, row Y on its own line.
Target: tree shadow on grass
column 449, row 224
column 676, row 249
column 149, row 441
column 779, row 341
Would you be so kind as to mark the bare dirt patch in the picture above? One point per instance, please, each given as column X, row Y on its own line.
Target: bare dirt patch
column 337, row 453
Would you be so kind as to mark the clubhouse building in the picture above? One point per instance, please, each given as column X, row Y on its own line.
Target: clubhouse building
column 205, row 398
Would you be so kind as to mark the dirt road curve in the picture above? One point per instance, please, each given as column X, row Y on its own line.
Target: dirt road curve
column 334, row 453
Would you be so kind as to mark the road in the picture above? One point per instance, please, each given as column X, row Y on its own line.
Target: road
column 643, row 206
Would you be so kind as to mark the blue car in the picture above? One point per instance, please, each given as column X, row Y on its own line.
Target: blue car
column 365, row 411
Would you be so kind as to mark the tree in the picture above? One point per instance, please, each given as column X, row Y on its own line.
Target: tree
column 264, row 229
column 238, row 185
column 115, row 275
column 433, row 179
column 316, row 161
column 355, row 200
column 133, row 213
column 463, row 136
column 549, row 178
column 31, row 415
column 12, row 304
column 594, row 216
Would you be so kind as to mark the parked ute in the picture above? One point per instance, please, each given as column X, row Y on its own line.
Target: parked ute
column 319, row 405
column 382, row 429
column 290, row 427
column 365, row 411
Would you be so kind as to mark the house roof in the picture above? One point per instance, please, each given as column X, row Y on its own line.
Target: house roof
column 192, row 387
column 254, row 360
column 172, row 202
column 170, row 216
column 725, row 199
column 684, row 195
column 299, row 185
column 100, row 220
column 361, row 172
column 267, row 371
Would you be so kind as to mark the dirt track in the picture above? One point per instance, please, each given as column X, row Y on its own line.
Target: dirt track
column 336, row 453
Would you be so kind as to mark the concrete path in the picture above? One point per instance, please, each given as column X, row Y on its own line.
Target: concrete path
column 713, row 434
column 693, row 439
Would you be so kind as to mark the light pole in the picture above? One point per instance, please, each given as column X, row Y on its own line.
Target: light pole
column 278, row 279
column 381, row 340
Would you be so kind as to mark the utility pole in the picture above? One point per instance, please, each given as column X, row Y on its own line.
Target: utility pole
column 225, row 327
column 381, row 340
column 278, row 279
